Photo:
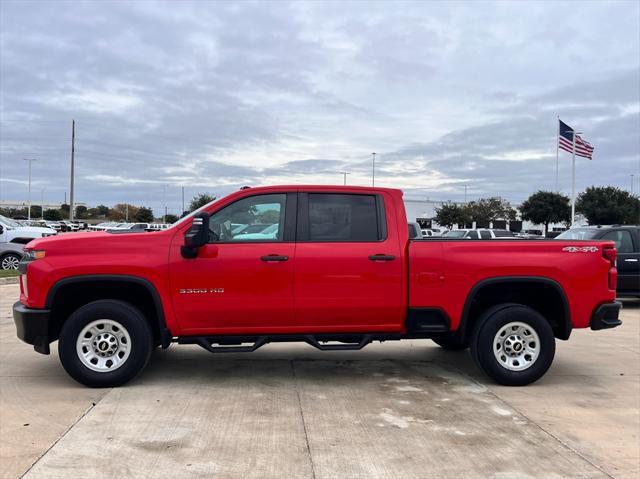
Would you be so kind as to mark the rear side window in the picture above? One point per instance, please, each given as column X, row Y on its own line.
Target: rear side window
column 337, row 217
column 472, row 234
column 622, row 240
column 485, row 235
column 503, row 234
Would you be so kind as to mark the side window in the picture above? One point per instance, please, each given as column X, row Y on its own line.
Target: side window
column 622, row 240
column 485, row 234
column 337, row 217
column 472, row 234
column 256, row 218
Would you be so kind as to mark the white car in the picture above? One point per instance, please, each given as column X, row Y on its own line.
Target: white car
column 130, row 227
column 13, row 232
column 268, row 233
column 481, row 233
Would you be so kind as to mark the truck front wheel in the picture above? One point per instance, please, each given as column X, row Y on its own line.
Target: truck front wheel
column 105, row 343
column 513, row 344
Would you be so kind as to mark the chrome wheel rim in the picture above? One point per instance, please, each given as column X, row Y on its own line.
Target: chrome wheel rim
column 10, row 262
column 516, row 346
column 103, row 345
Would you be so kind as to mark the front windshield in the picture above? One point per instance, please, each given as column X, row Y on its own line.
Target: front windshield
column 9, row 222
column 455, row 234
column 578, row 234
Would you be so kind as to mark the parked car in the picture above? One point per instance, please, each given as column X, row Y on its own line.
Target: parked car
column 627, row 242
column 414, row 231
column 158, row 226
column 13, row 232
column 357, row 275
column 10, row 255
column 482, row 233
column 70, row 225
column 129, row 228
column 530, row 234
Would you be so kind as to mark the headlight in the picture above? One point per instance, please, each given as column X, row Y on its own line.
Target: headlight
column 34, row 254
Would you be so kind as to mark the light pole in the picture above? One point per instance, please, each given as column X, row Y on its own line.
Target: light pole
column 344, row 177
column 164, row 201
column 373, row 171
column 465, row 193
column 29, row 200
column 42, row 203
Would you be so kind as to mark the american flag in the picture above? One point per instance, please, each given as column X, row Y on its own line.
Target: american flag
column 565, row 141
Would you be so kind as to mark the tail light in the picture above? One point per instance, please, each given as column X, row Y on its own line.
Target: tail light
column 610, row 254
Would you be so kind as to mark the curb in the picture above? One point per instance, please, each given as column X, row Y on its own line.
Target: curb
column 15, row 280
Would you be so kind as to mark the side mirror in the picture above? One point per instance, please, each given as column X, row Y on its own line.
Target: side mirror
column 196, row 236
column 1, row 229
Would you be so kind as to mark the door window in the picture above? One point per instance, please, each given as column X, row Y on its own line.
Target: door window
column 337, row 217
column 622, row 240
column 485, row 234
column 256, row 218
column 472, row 234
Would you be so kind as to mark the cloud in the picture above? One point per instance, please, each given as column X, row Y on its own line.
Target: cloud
column 213, row 96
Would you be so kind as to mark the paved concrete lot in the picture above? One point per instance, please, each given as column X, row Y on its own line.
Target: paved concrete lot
column 403, row 409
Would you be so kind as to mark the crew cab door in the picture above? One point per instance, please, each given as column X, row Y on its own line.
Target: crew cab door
column 349, row 264
column 240, row 283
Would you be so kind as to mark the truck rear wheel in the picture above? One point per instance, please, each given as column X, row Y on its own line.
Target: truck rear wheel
column 513, row 344
column 105, row 343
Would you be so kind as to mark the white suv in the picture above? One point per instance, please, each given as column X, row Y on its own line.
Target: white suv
column 13, row 232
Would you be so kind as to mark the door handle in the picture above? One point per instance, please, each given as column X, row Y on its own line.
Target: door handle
column 631, row 260
column 382, row 257
column 274, row 257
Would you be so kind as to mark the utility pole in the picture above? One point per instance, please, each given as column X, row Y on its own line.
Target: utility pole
column 373, row 171
column 344, row 177
column 573, row 178
column 73, row 151
column 164, row 201
column 29, row 210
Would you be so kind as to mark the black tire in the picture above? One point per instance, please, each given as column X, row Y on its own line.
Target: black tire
column 9, row 261
column 451, row 342
column 134, row 324
column 491, row 323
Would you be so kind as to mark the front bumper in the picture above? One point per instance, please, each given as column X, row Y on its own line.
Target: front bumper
column 606, row 316
column 32, row 326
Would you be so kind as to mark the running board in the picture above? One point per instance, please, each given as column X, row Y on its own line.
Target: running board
column 230, row 344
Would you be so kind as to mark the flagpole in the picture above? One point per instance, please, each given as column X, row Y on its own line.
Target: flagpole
column 557, row 153
column 573, row 180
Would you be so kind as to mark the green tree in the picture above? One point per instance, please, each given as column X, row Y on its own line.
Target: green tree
column 171, row 218
column 603, row 205
column 64, row 211
column 82, row 212
column 52, row 215
column 103, row 210
column 450, row 214
column 486, row 210
column 144, row 215
column 200, row 200
column 36, row 211
column 544, row 207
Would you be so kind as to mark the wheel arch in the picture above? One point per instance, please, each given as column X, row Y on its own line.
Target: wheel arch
column 134, row 289
column 523, row 290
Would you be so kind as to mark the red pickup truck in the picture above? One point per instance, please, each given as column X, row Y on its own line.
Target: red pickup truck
column 330, row 266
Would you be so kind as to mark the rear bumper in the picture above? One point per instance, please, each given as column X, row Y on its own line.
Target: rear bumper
column 606, row 316
column 32, row 326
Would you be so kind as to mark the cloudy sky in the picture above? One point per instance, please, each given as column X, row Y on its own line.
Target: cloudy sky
column 215, row 95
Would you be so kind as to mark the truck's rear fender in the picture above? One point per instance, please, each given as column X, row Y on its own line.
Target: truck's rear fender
column 68, row 294
column 542, row 294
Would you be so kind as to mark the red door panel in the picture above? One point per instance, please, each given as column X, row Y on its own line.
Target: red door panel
column 229, row 289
